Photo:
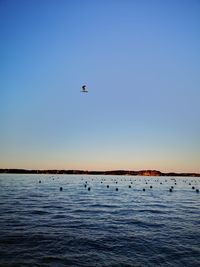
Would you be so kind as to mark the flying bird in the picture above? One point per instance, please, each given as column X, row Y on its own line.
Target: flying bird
column 84, row 89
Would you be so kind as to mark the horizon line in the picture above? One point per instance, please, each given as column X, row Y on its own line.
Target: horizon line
column 143, row 172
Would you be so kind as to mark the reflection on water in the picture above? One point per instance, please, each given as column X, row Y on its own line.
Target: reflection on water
column 43, row 226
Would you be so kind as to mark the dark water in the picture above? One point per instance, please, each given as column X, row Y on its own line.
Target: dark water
column 43, row 226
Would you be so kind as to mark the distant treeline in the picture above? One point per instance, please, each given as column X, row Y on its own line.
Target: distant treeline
column 115, row 172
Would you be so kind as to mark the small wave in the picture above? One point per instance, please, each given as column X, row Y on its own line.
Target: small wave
column 59, row 216
column 56, row 260
column 39, row 212
column 151, row 211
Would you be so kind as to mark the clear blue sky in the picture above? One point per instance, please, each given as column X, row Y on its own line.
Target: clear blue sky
column 141, row 63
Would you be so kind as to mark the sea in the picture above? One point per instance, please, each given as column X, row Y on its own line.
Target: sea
column 85, row 220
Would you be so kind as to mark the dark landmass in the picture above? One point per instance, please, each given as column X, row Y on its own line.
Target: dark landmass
column 115, row 172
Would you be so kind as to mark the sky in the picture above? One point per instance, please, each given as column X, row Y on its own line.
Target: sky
column 140, row 60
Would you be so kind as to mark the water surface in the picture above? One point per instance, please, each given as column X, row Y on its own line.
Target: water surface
column 43, row 226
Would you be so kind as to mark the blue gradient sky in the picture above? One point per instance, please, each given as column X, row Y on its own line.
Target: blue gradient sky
column 141, row 62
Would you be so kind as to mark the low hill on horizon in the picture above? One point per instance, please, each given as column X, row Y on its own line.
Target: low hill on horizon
column 114, row 172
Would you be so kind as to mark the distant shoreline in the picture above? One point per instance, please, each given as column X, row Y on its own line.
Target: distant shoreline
column 114, row 172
